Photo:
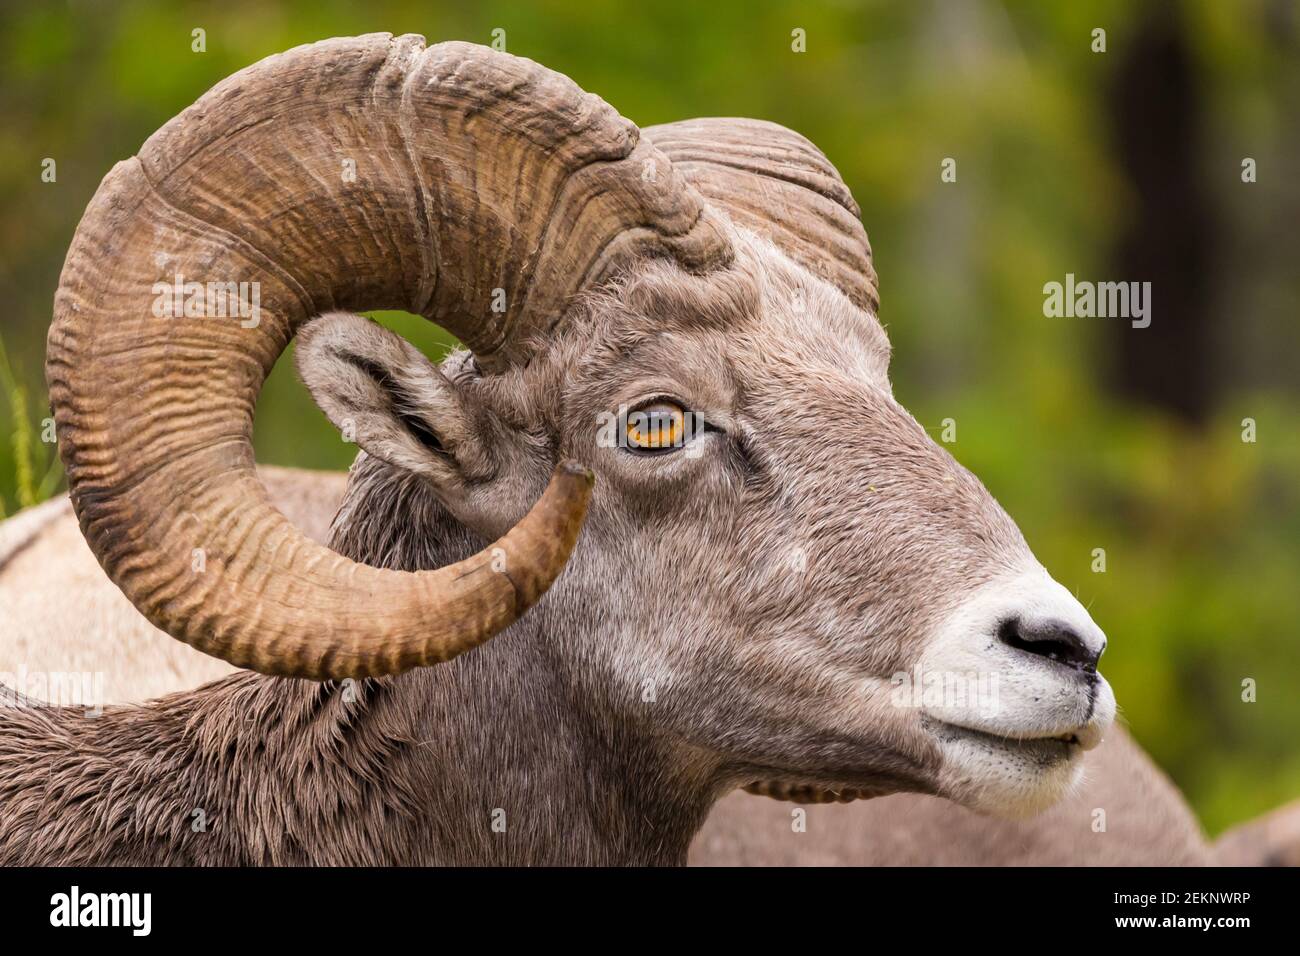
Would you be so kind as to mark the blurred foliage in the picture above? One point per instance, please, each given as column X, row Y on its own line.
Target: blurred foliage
column 25, row 452
column 1201, row 530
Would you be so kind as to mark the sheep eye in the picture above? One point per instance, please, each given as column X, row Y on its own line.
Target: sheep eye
column 659, row 426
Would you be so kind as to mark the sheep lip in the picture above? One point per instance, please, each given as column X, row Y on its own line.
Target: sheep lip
column 1073, row 742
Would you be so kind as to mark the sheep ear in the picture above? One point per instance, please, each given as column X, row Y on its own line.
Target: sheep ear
column 385, row 395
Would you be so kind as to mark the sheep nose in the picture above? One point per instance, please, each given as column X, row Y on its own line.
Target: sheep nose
column 1053, row 639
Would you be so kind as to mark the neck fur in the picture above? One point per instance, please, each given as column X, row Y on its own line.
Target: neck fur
column 516, row 763
column 497, row 757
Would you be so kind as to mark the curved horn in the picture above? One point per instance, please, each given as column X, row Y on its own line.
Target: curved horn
column 354, row 174
column 775, row 182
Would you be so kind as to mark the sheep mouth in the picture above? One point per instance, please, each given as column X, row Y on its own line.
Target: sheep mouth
column 1041, row 747
column 1044, row 752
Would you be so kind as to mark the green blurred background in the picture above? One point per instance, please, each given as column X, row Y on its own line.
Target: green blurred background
column 1122, row 165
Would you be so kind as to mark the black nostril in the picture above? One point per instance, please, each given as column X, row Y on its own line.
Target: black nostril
column 1052, row 639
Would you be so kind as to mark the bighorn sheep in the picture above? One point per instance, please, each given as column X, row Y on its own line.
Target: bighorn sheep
column 690, row 311
column 43, row 559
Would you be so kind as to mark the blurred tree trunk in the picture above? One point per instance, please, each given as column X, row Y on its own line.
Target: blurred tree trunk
column 1155, row 105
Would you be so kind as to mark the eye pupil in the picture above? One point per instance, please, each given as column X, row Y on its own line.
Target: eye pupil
column 660, row 425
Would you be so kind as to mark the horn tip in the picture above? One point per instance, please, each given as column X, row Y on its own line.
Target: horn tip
column 578, row 470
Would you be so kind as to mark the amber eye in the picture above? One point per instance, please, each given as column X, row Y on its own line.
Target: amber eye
column 659, row 426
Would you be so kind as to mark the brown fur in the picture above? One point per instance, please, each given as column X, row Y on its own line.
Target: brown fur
column 1148, row 821
column 777, row 475
column 738, row 612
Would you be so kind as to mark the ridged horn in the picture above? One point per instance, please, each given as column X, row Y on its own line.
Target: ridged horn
column 776, row 183
column 353, row 174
